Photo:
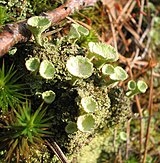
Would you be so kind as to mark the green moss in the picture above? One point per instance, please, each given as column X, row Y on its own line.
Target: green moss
column 112, row 106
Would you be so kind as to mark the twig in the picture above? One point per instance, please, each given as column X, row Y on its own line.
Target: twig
column 18, row 32
column 55, row 148
column 140, row 115
column 112, row 29
column 128, row 138
column 140, row 17
column 150, row 105
column 141, row 123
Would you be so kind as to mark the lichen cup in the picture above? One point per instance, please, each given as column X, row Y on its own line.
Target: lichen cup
column 37, row 25
column 85, row 123
column 80, row 67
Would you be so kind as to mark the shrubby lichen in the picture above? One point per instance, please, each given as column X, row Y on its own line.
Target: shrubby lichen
column 112, row 107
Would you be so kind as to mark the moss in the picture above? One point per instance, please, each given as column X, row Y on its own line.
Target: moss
column 113, row 107
column 120, row 106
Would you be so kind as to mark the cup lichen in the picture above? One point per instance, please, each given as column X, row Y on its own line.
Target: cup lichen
column 32, row 64
column 80, row 67
column 85, row 123
column 47, row 69
column 37, row 25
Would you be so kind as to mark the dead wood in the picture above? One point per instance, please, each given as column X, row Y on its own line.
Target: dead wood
column 18, row 32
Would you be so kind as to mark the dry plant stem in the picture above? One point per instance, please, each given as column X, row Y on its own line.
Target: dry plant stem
column 128, row 138
column 140, row 17
column 141, row 123
column 139, row 26
column 112, row 29
column 124, row 11
column 55, row 148
column 18, row 32
column 119, row 22
column 140, row 116
column 150, row 106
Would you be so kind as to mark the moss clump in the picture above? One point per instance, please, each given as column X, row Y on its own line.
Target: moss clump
column 120, row 106
column 110, row 111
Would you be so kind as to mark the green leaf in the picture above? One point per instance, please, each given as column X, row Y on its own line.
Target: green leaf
column 119, row 74
column 107, row 69
column 142, row 86
column 77, row 31
column 131, row 85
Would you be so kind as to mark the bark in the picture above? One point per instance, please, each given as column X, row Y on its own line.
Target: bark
column 18, row 32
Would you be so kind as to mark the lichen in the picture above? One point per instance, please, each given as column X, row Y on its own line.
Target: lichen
column 112, row 109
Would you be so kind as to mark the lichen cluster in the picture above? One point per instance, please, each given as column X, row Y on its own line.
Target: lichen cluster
column 111, row 105
column 67, row 105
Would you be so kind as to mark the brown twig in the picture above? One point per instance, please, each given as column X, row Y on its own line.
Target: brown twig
column 141, row 123
column 150, row 105
column 56, row 149
column 18, row 32
column 128, row 138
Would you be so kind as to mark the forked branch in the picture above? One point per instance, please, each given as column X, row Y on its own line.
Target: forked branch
column 18, row 32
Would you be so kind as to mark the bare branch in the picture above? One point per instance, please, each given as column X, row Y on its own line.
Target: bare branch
column 18, row 32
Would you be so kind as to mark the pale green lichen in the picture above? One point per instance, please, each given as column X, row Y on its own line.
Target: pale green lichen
column 67, row 106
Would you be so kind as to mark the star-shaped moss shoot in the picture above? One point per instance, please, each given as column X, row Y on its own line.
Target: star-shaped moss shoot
column 37, row 25
column 136, row 88
column 80, row 67
column 103, row 51
column 32, row 64
column 47, row 69
column 48, row 96
column 71, row 127
column 89, row 104
column 85, row 123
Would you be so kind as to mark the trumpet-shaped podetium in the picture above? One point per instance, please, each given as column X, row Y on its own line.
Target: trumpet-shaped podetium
column 107, row 69
column 139, row 87
column 85, row 123
column 104, row 51
column 48, row 96
column 89, row 104
column 71, row 127
column 80, row 67
column 32, row 64
column 119, row 74
column 77, row 31
column 131, row 85
column 47, row 69
column 37, row 25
